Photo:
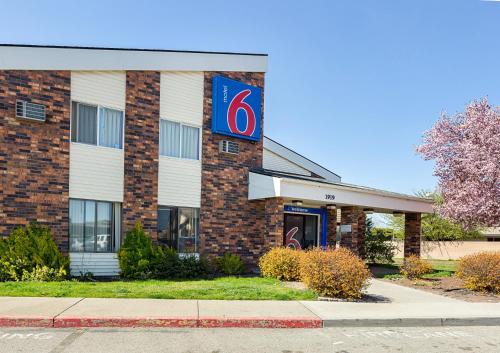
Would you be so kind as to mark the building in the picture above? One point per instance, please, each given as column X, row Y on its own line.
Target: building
column 94, row 139
column 491, row 234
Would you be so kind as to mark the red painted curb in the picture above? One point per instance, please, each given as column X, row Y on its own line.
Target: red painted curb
column 124, row 322
column 168, row 322
column 26, row 322
column 260, row 322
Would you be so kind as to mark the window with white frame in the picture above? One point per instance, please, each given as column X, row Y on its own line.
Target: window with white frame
column 96, row 125
column 179, row 140
column 94, row 226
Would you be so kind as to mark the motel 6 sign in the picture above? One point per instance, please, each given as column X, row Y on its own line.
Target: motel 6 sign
column 236, row 109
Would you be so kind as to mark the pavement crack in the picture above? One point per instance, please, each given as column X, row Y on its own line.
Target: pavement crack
column 62, row 312
column 67, row 341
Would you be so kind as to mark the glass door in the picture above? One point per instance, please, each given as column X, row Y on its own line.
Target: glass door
column 301, row 231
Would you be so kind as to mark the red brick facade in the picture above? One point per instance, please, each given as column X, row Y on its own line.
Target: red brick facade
column 412, row 234
column 142, row 130
column 34, row 156
column 228, row 220
column 331, row 227
column 274, row 222
column 355, row 239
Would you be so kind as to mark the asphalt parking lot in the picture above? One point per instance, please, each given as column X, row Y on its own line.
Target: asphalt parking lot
column 359, row 339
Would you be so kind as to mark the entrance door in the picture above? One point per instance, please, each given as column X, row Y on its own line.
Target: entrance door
column 301, row 231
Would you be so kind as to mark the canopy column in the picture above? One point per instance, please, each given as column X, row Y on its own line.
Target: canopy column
column 331, row 226
column 353, row 229
column 413, row 230
column 274, row 222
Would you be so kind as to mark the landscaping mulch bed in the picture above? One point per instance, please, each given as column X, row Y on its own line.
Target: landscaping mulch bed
column 447, row 286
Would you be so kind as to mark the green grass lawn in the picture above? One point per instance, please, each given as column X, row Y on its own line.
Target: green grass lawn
column 442, row 268
column 253, row 288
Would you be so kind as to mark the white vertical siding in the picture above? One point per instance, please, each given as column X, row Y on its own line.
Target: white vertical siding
column 106, row 88
column 272, row 161
column 181, row 97
column 96, row 172
column 100, row 264
column 179, row 182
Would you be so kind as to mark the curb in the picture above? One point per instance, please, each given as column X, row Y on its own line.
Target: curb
column 165, row 322
column 26, row 322
column 260, row 322
column 238, row 322
column 415, row 322
column 75, row 322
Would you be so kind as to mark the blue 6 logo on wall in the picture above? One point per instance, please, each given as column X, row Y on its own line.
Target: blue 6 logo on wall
column 236, row 109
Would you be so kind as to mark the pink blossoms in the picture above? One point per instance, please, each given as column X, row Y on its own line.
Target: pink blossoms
column 466, row 149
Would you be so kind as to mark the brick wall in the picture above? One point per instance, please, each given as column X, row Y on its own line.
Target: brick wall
column 274, row 222
column 412, row 234
column 331, row 226
column 141, row 150
column 228, row 221
column 355, row 239
column 34, row 156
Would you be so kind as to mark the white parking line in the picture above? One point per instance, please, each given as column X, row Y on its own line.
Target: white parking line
column 411, row 334
column 24, row 336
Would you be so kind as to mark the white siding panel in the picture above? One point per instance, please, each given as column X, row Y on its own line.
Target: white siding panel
column 106, row 88
column 96, row 172
column 274, row 162
column 100, row 264
column 179, row 182
column 181, row 97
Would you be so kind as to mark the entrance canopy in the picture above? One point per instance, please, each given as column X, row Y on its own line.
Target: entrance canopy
column 265, row 184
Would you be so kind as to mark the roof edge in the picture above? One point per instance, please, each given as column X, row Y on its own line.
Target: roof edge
column 127, row 49
column 296, row 177
column 302, row 156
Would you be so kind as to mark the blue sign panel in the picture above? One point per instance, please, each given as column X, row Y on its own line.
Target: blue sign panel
column 316, row 211
column 297, row 209
column 236, row 109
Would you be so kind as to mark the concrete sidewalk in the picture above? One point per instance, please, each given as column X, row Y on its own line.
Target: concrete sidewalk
column 394, row 306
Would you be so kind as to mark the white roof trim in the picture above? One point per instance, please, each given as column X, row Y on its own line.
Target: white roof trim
column 299, row 160
column 64, row 58
column 265, row 186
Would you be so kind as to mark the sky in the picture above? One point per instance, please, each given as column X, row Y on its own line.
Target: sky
column 351, row 85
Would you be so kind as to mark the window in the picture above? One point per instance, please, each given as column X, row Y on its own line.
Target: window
column 94, row 226
column 178, row 227
column 178, row 140
column 96, row 125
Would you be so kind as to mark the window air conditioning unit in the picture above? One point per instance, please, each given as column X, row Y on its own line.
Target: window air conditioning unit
column 31, row 111
column 230, row 147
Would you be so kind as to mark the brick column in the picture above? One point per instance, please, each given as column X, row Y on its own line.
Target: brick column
column 355, row 239
column 229, row 222
column 412, row 234
column 34, row 155
column 274, row 222
column 142, row 130
column 331, row 227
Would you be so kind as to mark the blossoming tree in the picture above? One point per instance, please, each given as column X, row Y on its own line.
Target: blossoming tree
column 466, row 150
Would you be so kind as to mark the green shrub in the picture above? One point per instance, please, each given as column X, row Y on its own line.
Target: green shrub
column 230, row 264
column 166, row 263
column 31, row 252
column 336, row 273
column 136, row 254
column 192, row 266
column 481, row 271
column 378, row 245
column 281, row 263
column 415, row 267
column 140, row 259
column 44, row 274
